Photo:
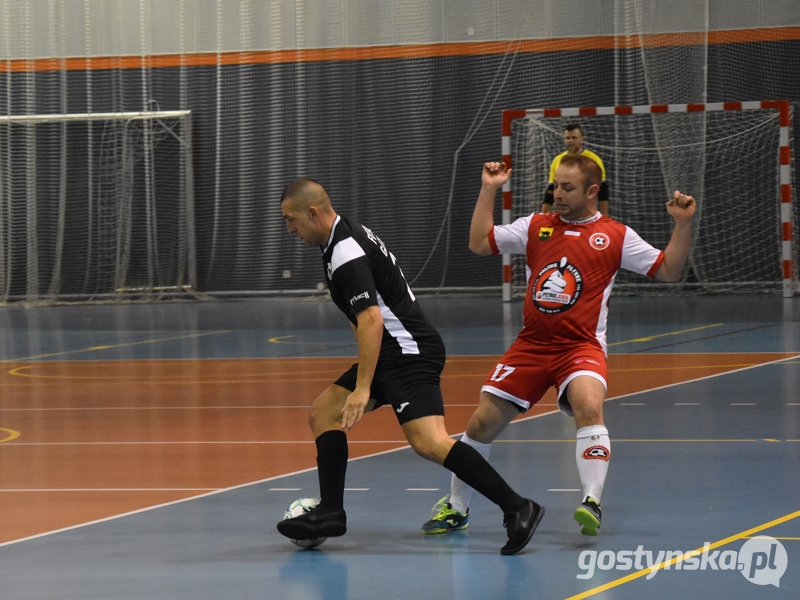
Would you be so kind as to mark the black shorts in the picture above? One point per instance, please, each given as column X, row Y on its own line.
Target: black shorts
column 412, row 386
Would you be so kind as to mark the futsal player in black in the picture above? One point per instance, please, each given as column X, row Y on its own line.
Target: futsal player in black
column 400, row 359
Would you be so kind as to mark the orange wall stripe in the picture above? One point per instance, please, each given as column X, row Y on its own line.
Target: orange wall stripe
column 401, row 51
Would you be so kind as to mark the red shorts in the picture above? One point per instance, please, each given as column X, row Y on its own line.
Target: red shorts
column 526, row 371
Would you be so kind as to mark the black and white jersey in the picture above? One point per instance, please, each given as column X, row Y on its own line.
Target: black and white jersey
column 361, row 272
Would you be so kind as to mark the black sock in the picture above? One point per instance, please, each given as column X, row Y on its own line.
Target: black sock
column 471, row 468
column 331, row 468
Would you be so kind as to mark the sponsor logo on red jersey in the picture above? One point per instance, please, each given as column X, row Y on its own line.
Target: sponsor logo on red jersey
column 557, row 287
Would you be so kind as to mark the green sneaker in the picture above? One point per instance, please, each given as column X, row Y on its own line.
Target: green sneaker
column 588, row 515
column 445, row 518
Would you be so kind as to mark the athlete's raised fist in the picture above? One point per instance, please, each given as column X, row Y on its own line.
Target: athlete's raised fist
column 681, row 206
column 495, row 174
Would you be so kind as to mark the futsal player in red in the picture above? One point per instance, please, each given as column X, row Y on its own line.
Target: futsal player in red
column 400, row 360
column 572, row 257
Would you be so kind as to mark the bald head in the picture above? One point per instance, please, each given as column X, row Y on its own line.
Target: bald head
column 308, row 212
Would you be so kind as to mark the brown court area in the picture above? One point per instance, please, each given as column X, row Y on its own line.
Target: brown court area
column 87, row 440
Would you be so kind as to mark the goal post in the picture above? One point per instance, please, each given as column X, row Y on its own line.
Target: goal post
column 735, row 158
column 96, row 207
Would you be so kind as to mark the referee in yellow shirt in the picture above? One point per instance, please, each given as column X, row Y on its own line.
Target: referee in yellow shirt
column 573, row 138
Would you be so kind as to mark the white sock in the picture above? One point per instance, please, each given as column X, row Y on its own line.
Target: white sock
column 460, row 492
column 592, row 453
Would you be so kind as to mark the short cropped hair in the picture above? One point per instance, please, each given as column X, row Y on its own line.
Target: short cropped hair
column 588, row 168
column 573, row 127
column 298, row 187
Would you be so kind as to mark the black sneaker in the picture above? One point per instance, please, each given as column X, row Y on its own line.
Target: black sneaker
column 520, row 526
column 317, row 523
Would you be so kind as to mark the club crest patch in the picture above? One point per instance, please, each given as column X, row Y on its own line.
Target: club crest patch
column 599, row 241
column 596, row 453
column 545, row 233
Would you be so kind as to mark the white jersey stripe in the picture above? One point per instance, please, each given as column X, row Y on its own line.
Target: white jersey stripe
column 602, row 322
column 396, row 329
column 345, row 251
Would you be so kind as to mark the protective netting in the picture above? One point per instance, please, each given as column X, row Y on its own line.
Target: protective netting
column 95, row 207
column 393, row 106
column 733, row 175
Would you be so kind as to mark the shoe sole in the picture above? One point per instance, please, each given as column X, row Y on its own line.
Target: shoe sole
column 444, row 529
column 298, row 530
column 508, row 551
column 589, row 523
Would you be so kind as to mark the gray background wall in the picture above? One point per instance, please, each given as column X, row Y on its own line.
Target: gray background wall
column 65, row 28
column 398, row 142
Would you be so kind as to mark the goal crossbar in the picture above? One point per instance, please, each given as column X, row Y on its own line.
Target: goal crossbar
column 117, row 116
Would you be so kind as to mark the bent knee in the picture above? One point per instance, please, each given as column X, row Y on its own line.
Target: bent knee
column 325, row 411
column 481, row 428
column 490, row 418
column 317, row 413
column 587, row 414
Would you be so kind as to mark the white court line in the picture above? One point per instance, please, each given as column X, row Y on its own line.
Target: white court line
column 256, row 407
column 180, row 501
column 669, row 385
column 191, row 442
column 83, row 408
column 422, row 489
column 277, row 477
column 108, row 490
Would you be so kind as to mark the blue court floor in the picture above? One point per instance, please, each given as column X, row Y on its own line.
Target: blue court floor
column 708, row 465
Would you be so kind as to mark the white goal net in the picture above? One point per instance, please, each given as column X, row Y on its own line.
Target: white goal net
column 96, row 206
column 734, row 158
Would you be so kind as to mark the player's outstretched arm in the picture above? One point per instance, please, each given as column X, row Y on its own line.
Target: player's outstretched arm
column 494, row 176
column 682, row 209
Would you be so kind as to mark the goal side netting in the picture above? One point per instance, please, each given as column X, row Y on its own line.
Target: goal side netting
column 734, row 158
column 96, row 207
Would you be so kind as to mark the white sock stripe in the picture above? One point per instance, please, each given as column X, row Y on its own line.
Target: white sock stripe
column 477, row 445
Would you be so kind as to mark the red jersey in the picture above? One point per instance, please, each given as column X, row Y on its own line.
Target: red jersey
column 571, row 267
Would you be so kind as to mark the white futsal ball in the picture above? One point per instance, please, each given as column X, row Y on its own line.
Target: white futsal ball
column 297, row 508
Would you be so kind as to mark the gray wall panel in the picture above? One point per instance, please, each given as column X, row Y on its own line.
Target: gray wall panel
column 381, row 134
column 274, row 25
column 53, row 28
column 419, row 21
column 369, row 23
column 470, row 21
column 321, row 24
